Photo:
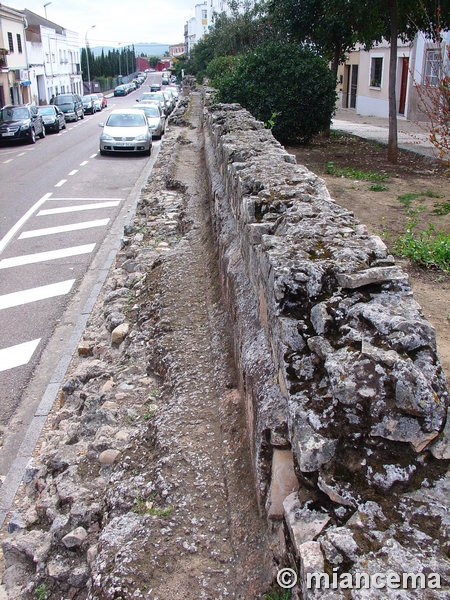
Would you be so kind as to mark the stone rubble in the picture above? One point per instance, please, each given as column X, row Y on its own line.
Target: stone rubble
column 338, row 405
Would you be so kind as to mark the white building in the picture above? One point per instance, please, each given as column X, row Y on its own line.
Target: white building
column 53, row 59
column 203, row 19
column 14, row 81
column 364, row 78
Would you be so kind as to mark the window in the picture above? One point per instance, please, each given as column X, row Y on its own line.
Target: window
column 19, row 43
column 10, row 42
column 433, row 61
column 376, row 71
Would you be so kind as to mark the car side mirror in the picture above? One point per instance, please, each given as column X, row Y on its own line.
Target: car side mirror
column 101, row 124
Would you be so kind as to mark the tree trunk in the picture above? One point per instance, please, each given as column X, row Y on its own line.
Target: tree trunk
column 393, row 139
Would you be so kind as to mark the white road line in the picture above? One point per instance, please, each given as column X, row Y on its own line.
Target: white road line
column 89, row 199
column 22, row 154
column 84, row 163
column 28, row 259
column 73, row 172
column 94, row 155
column 68, row 209
column 7, row 238
column 18, row 355
column 8, row 161
column 60, row 183
column 34, row 294
column 63, row 228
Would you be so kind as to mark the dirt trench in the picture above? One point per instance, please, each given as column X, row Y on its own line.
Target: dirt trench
column 214, row 544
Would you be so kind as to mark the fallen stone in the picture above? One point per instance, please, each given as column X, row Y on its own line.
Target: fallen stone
column 119, row 333
column 75, row 538
column 107, row 457
column 370, row 276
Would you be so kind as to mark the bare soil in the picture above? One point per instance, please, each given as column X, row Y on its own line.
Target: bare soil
column 386, row 215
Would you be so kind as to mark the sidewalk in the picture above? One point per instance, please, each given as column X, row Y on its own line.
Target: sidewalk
column 411, row 136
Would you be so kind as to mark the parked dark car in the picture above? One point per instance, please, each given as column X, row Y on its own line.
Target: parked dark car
column 120, row 90
column 21, row 122
column 53, row 118
column 71, row 106
column 155, row 87
column 88, row 105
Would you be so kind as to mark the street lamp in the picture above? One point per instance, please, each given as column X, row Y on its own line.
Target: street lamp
column 87, row 58
column 45, row 8
column 120, row 68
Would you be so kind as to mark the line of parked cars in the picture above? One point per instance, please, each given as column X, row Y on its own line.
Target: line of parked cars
column 26, row 122
column 132, row 129
column 126, row 88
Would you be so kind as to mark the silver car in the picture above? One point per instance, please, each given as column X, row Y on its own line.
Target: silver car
column 155, row 117
column 125, row 130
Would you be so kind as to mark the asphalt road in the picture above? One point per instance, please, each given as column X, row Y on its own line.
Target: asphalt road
column 62, row 209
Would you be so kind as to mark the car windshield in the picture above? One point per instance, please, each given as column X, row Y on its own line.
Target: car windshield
column 150, row 110
column 46, row 110
column 13, row 114
column 86, row 99
column 126, row 120
column 63, row 100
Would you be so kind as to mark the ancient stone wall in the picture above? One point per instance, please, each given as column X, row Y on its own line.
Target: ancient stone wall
column 345, row 396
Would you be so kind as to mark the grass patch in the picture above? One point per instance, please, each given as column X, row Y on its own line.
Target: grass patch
column 350, row 173
column 429, row 248
column 147, row 507
column 441, row 208
column 406, row 199
column 378, row 187
column 274, row 595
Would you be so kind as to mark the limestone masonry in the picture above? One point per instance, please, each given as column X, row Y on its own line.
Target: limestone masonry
column 345, row 425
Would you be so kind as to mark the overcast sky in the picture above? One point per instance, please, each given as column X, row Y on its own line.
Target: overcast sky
column 117, row 21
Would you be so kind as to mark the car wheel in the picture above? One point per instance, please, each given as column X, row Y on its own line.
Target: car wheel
column 148, row 152
column 57, row 128
column 82, row 115
column 42, row 136
column 32, row 136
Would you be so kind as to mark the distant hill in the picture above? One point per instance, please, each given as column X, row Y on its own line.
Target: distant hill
column 152, row 49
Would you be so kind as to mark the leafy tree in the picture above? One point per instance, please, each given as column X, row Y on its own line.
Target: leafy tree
column 286, row 85
column 231, row 36
column 325, row 25
column 153, row 60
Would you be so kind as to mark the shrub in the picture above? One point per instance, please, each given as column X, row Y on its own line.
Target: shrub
column 218, row 68
column 288, row 81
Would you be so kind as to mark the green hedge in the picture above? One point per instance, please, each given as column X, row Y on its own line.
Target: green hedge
column 288, row 87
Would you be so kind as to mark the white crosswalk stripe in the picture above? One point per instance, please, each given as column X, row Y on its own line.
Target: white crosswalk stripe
column 18, row 355
column 68, row 209
column 28, row 259
column 63, row 228
column 34, row 294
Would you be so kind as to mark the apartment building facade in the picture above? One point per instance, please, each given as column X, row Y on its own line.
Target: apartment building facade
column 14, row 76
